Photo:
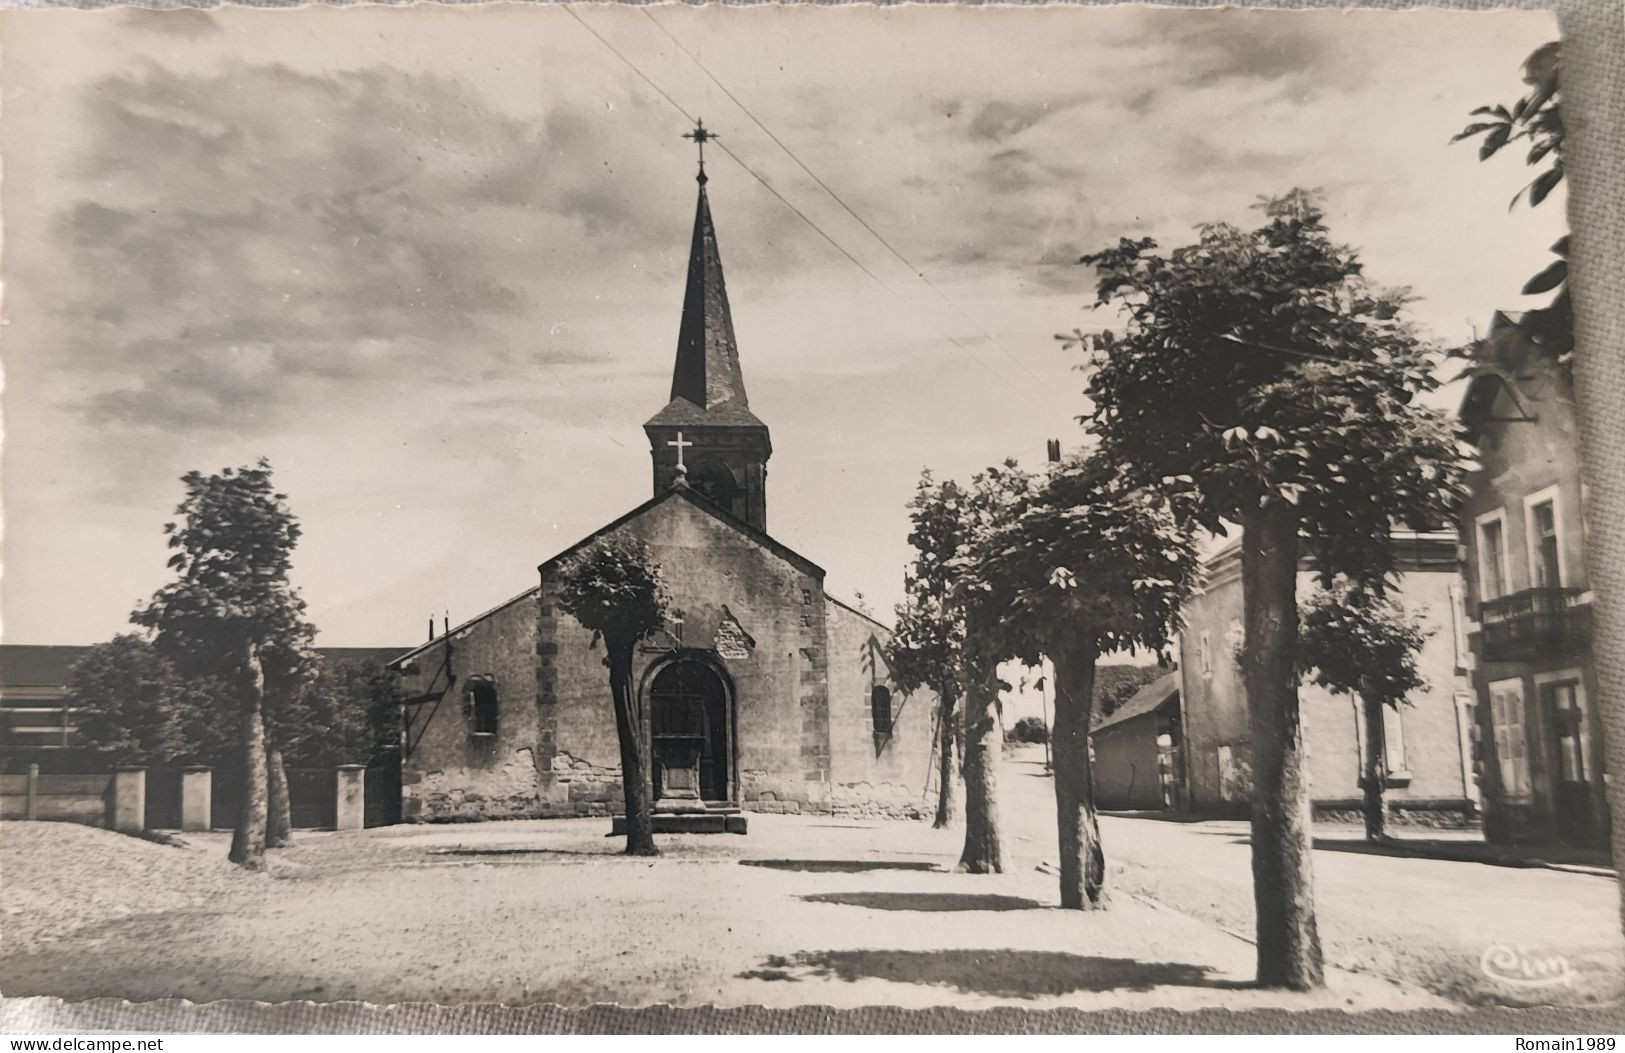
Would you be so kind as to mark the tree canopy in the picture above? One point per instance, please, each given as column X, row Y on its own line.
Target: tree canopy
column 1086, row 551
column 232, row 553
column 615, row 588
column 926, row 646
column 129, row 701
column 1354, row 642
column 1536, row 118
column 1262, row 365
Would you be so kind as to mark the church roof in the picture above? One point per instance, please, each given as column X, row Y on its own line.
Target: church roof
column 699, row 501
column 707, row 386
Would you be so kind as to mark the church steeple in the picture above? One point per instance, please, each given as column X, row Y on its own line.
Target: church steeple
column 709, row 412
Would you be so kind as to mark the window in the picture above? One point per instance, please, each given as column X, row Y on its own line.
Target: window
column 1545, row 546
column 1511, row 739
column 1562, row 701
column 1492, row 555
column 1393, row 732
column 482, row 705
column 880, row 708
column 1458, row 627
column 1204, row 654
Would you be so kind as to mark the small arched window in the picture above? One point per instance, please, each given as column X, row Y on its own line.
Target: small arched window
column 717, row 482
column 482, row 705
column 880, row 708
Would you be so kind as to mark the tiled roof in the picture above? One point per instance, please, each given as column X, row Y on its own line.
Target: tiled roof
column 707, row 386
column 1147, row 699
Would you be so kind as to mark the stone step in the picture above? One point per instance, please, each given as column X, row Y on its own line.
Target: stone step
column 718, row 822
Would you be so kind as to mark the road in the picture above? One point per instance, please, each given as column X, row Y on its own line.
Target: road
column 1421, row 921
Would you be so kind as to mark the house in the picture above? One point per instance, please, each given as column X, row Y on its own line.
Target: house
column 1523, row 540
column 1138, row 751
column 1429, row 740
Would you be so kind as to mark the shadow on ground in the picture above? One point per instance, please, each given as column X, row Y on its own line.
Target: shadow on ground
column 1523, row 856
column 610, row 854
column 927, row 901
column 839, row 866
column 998, row 973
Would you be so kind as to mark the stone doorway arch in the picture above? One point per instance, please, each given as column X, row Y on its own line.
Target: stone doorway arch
column 690, row 706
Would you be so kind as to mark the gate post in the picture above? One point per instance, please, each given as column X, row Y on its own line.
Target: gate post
column 129, row 799
column 197, row 797
column 350, row 805
column 31, row 811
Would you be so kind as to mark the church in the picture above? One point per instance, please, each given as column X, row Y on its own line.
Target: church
column 762, row 693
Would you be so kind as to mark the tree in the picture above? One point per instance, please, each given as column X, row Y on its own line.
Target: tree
column 1357, row 643
column 1265, row 369
column 347, row 715
column 1091, row 563
column 1030, row 729
column 129, row 702
column 615, row 588
column 1537, row 118
column 993, row 496
column 1115, row 684
column 233, row 614
column 926, row 649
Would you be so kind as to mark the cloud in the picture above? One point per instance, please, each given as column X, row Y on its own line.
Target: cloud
column 245, row 236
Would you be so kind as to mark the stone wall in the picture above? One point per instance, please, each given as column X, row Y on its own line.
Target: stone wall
column 451, row 772
column 875, row 774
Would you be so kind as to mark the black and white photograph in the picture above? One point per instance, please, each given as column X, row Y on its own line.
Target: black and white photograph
column 1063, row 508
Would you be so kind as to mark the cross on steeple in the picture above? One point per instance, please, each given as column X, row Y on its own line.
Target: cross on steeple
column 678, row 442
column 700, row 136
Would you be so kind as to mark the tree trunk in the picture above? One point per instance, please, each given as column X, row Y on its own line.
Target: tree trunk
column 1375, row 775
column 279, row 809
column 1083, row 864
column 947, row 768
column 635, row 779
column 984, row 749
column 248, row 839
column 1283, row 878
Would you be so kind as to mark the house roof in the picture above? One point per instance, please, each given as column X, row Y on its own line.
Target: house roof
column 707, row 386
column 1413, row 551
column 51, row 665
column 1148, row 699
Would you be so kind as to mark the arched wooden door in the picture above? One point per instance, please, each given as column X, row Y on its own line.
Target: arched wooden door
column 689, row 718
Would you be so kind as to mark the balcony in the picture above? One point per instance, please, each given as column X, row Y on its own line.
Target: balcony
column 1535, row 624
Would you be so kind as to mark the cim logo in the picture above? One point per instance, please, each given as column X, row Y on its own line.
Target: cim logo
column 1517, row 967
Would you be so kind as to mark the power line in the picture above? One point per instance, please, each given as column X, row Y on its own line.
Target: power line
column 787, row 204
column 917, row 271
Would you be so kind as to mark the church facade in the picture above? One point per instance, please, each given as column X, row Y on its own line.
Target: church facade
column 762, row 692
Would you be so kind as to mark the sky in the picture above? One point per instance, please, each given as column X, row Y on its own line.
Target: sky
column 429, row 261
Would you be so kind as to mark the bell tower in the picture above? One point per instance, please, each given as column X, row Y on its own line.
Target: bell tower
column 706, row 435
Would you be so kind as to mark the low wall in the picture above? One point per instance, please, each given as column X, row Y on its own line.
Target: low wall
column 78, row 798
